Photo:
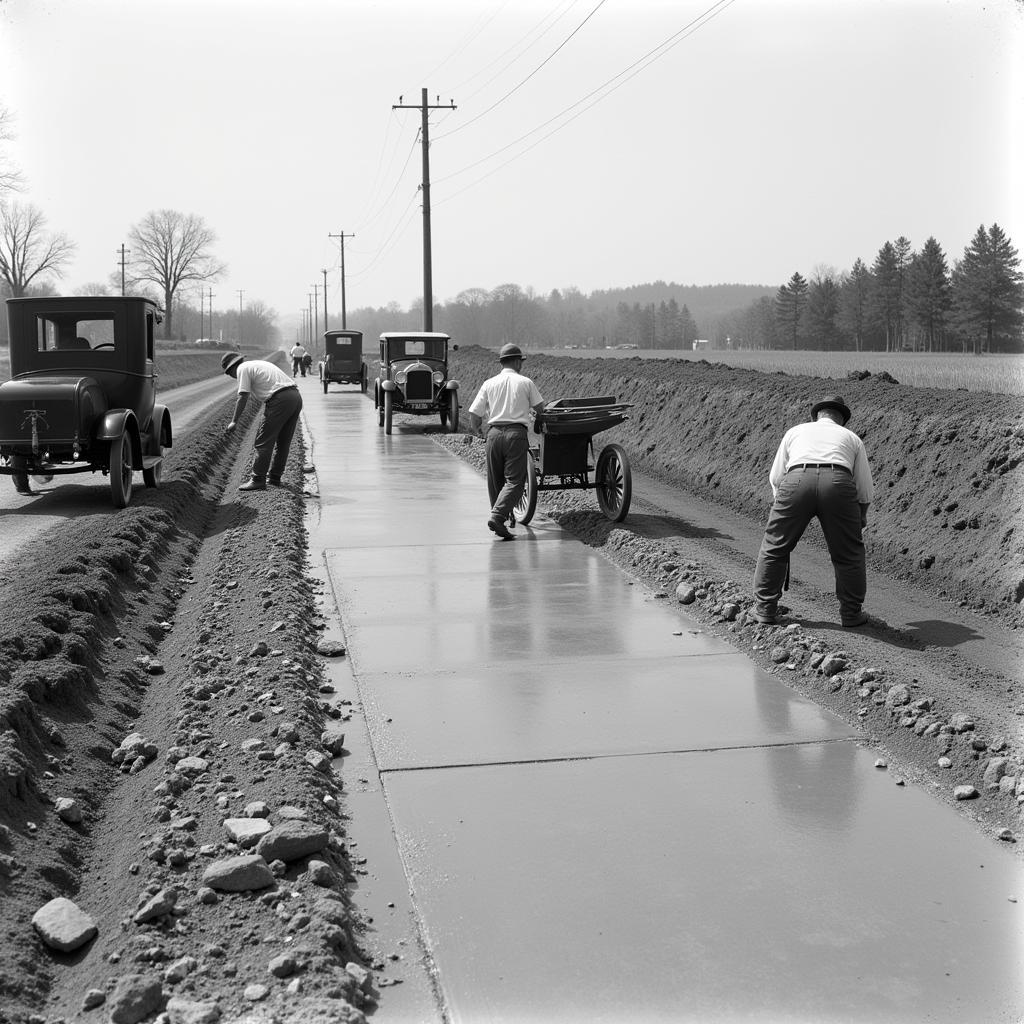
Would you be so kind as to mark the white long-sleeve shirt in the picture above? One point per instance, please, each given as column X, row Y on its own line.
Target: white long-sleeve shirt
column 824, row 441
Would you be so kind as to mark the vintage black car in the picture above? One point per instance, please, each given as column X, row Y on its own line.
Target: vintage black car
column 82, row 393
column 413, row 378
column 343, row 359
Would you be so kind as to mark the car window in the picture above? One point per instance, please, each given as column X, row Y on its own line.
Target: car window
column 414, row 348
column 72, row 332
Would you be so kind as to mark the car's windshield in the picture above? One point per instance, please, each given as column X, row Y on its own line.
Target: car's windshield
column 65, row 332
column 416, row 348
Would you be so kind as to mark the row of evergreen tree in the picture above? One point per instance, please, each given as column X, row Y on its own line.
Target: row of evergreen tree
column 905, row 300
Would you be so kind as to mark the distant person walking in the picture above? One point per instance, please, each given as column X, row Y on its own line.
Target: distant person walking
column 298, row 353
column 282, row 404
column 820, row 469
column 506, row 402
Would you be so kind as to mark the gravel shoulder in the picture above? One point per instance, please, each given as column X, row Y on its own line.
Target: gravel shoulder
column 171, row 762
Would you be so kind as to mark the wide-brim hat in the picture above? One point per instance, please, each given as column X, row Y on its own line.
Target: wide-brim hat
column 510, row 352
column 230, row 360
column 831, row 402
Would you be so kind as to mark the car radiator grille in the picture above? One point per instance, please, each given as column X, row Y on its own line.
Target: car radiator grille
column 419, row 386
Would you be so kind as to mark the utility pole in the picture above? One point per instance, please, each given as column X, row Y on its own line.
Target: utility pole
column 324, row 272
column 200, row 312
column 316, row 315
column 123, row 250
column 240, row 318
column 341, row 239
column 309, row 322
column 209, row 295
column 425, row 107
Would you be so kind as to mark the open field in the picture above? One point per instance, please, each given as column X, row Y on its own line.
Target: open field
column 1000, row 374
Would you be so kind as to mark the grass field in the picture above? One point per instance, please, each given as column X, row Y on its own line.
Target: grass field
column 1000, row 374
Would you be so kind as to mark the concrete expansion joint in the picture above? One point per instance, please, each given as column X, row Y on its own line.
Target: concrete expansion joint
column 620, row 755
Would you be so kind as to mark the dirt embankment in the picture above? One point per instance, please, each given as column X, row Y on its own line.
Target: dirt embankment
column 947, row 465
column 182, row 630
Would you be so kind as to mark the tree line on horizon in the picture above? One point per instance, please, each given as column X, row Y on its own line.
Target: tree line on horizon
column 906, row 301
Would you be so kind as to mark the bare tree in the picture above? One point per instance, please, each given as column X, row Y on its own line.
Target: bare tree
column 27, row 249
column 169, row 249
column 10, row 179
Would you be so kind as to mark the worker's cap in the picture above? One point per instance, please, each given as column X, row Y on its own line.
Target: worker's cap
column 831, row 402
column 230, row 360
column 510, row 352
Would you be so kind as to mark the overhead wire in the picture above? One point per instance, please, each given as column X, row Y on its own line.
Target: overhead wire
column 517, row 87
column 473, row 34
column 556, row 14
column 601, row 92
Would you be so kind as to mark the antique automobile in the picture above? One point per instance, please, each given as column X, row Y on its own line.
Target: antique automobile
column 413, row 378
column 82, row 393
column 343, row 359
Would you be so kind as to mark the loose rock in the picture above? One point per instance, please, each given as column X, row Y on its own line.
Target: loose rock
column 63, row 925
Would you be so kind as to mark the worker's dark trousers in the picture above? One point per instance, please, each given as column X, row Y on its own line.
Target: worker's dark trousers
column 274, row 436
column 507, row 451
column 831, row 495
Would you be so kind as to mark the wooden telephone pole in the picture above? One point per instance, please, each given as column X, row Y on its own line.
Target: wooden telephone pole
column 425, row 107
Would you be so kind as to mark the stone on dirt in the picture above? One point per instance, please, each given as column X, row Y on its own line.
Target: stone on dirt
column 93, row 998
column 68, row 810
column 192, row 1011
column 247, row 832
column 63, row 925
column 134, row 998
column 283, row 966
column 292, row 840
column 254, row 993
column 964, row 793
column 239, row 874
column 162, row 903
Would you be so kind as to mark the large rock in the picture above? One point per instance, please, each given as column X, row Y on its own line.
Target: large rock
column 239, row 874
column 292, row 840
column 192, row 1011
column 159, row 905
column 247, row 831
column 135, row 997
column 63, row 925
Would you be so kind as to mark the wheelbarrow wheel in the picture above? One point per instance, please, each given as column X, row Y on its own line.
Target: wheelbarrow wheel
column 613, row 482
column 527, row 504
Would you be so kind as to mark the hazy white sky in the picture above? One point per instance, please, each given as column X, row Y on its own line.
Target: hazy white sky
column 773, row 136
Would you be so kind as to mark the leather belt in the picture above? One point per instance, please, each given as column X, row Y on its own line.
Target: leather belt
column 505, row 426
column 820, row 465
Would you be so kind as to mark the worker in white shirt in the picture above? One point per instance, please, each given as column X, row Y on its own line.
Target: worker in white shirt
column 820, row 469
column 507, row 401
column 297, row 353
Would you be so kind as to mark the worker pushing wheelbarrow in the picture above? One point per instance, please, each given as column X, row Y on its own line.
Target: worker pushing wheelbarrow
column 563, row 458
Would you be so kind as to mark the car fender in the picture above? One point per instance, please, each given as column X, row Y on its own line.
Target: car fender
column 451, row 385
column 114, row 423
column 161, row 426
column 389, row 385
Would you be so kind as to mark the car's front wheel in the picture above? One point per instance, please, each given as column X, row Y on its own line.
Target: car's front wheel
column 20, row 475
column 121, row 470
column 388, row 411
column 453, row 411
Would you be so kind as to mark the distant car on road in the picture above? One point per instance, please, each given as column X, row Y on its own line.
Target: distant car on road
column 413, row 378
column 82, row 393
column 343, row 359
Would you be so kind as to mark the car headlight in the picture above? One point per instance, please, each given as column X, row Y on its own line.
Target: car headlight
column 438, row 377
column 400, row 376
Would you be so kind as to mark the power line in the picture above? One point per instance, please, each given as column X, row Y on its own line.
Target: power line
column 473, row 34
column 627, row 74
column 516, row 88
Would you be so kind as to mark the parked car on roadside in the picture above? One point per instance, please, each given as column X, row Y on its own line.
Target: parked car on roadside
column 413, row 378
column 82, row 393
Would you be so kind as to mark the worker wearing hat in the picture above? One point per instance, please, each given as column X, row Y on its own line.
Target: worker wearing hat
column 820, row 469
column 507, row 402
column 282, row 404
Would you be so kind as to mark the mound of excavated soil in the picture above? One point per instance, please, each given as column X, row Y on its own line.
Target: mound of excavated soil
column 186, row 619
column 947, row 465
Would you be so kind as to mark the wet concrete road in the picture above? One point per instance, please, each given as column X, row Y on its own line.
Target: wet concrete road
column 604, row 814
